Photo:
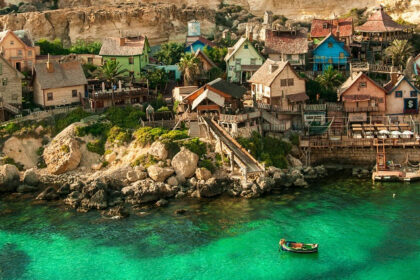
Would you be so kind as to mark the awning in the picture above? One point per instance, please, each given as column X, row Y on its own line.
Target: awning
column 298, row 97
column 210, row 95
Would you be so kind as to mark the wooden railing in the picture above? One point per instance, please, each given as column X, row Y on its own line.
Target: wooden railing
column 280, row 109
column 239, row 118
column 117, row 94
column 361, row 109
column 275, row 127
column 314, row 142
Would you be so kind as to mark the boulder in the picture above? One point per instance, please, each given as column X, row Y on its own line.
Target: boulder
column 202, row 174
column 111, row 157
column 300, row 182
column 26, row 189
column 265, row 184
column 185, row 163
column 64, row 190
column 158, row 151
column 99, row 200
column 159, row 174
column 63, row 153
column 116, row 213
column 9, row 178
column 30, row 177
column 172, row 181
column 132, row 176
column 73, row 199
column 147, row 191
column 210, row 188
column 294, row 162
column 48, row 194
column 161, row 202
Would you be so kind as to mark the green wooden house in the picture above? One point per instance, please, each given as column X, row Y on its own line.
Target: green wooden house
column 242, row 61
column 132, row 53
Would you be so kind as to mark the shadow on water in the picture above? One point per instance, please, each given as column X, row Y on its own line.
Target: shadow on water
column 13, row 262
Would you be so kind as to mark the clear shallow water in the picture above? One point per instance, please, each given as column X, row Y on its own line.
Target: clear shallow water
column 363, row 233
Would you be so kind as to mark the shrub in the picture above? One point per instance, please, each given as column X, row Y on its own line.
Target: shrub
column 174, row 135
column 147, row 135
column 163, row 109
column 9, row 160
column 40, row 151
column 62, row 122
column 144, row 160
column 128, row 117
column 96, row 129
column 65, row 148
column 118, row 135
column 11, row 127
column 96, row 146
column 208, row 164
column 196, row 146
column 294, row 139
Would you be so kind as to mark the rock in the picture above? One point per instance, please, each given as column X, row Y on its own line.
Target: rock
column 210, row 188
column 161, row 202
column 180, row 194
column 74, row 199
column 265, row 184
column 173, row 181
column 147, row 191
column 116, row 213
column 9, row 178
column 185, row 163
column 99, row 200
column 48, row 194
column 295, row 152
column 180, row 211
column 141, row 175
column 63, row 153
column 202, row 174
column 294, row 162
column 111, row 157
column 159, row 174
column 96, row 166
column 158, row 150
column 30, row 177
column 272, row 169
column 26, row 189
column 132, row 176
column 300, row 182
column 64, row 190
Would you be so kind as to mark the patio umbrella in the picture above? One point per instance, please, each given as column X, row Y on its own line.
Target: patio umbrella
column 395, row 133
column 383, row 131
column 407, row 132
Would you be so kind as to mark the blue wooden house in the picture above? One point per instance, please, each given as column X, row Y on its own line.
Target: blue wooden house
column 198, row 43
column 331, row 52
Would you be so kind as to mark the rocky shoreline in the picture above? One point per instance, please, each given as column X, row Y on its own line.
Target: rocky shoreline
column 116, row 196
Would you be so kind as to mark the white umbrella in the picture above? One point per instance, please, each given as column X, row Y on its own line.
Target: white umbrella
column 407, row 132
column 395, row 133
column 383, row 131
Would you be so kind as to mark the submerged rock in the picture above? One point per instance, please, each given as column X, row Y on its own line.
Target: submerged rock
column 48, row 194
column 26, row 189
column 9, row 178
column 161, row 202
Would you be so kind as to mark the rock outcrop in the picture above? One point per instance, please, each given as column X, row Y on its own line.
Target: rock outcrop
column 158, row 151
column 9, row 178
column 185, row 163
column 63, row 153
column 159, row 174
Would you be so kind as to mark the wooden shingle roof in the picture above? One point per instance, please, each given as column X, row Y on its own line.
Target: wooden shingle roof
column 380, row 21
column 342, row 27
column 131, row 46
column 65, row 74
column 286, row 43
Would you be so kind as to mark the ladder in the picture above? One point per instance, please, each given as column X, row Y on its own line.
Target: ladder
column 380, row 155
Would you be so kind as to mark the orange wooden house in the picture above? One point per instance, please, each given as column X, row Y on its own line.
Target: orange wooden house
column 218, row 96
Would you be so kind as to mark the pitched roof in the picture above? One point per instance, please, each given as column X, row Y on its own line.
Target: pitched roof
column 335, row 39
column 392, row 85
column 131, row 46
column 285, row 42
column 352, row 80
column 228, row 88
column 342, row 27
column 236, row 47
column 19, row 74
column 380, row 21
column 264, row 74
column 22, row 35
column 297, row 97
column 65, row 74
column 192, row 39
column 204, row 56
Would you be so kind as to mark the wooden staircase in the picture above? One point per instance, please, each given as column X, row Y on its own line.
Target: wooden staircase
column 380, row 156
column 194, row 130
column 12, row 109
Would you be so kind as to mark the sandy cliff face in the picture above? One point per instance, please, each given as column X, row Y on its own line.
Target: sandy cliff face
column 160, row 23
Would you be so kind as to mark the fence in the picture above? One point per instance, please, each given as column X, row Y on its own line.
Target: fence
column 39, row 115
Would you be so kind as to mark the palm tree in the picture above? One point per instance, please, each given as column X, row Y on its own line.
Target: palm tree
column 330, row 80
column 190, row 67
column 111, row 72
column 399, row 51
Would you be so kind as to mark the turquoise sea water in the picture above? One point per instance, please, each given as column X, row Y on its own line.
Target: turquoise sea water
column 363, row 232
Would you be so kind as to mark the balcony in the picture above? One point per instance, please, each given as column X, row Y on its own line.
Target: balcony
column 361, row 109
column 124, row 93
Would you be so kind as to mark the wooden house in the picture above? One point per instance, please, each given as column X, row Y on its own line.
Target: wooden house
column 18, row 48
column 277, row 83
column 10, row 90
column 58, row 84
column 362, row 97
column 132, row 53
column 217, row 96
column 402, row 97
column 341, row 28
column 196, row 43
column 330, row 52
column 242, row 61
column 288, row 45
column 206, row 63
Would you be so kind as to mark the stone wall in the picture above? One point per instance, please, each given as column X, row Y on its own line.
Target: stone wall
column 361, row 157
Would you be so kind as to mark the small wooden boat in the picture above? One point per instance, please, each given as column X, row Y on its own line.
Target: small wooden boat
column 297, row 247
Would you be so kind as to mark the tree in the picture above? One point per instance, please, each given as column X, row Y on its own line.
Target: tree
column 217, row 55
column 170, row 53
column 111, row 71
column 157, row 78
column 189, row 65
column 399, row 51
column 81, row 47
column 330, row 80
column 52, row 47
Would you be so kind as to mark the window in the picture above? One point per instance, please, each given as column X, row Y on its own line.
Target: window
column 29, row 53
column 74, row 93
column 325, row 25
column 131, row 60
column 290, row 82
column 362, row 85
column 12, row 42
column 4, row 81
column 90, row 60
column 20, row 53
column 289, row 57
column 246, row 46
column 238, row 61
column 49, row 96
column 398, row 93
column 341, row 55
column 253, row 61
column 330, row 45
column 283, row 82
column 413, row 93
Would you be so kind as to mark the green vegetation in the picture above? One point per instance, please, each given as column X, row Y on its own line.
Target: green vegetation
column 9, row 160
column 89, row 70
column 175, row 107
column 96, row 129
column 111, row 72
column 145, row 161
column 127, row 117
column 170, row 53
column 294, row 139
column 269, row 150
column 358, row 16
column 65, row 148
column 119, row 136
column 157, row 78
column 62, row 121
column 11, row 127
column 96, row 146
column 196, row 146
column 189, row 65
column 147, row 135
column 208, row 164
column 399, row 51
column 163, row 109
column 56, row 47
column 217, row 55
column 325, row 85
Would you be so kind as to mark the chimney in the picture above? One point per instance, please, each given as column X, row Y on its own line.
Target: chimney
column 50, row 66
column 250, row 36
column 122, row 41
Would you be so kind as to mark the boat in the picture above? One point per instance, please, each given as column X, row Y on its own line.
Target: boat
column 297, row 247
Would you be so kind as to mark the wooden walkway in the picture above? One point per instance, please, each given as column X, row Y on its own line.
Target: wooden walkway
column 315, row 143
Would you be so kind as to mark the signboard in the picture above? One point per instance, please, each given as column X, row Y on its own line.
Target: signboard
column 410, row 106
column 357, row 117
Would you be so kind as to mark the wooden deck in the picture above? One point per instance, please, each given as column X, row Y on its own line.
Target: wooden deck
column 316, row 143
